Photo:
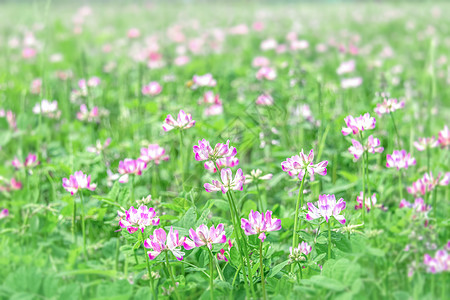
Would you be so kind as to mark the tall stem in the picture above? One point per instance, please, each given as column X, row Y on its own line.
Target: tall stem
column 180, row 153
column 297, row 208
column 400, row 185
column 434, row 205
column 428, row 159
column 211, row 275
column 171, row 275
column 149, row 269
column 132, row 181
column 259, row 198
column 329, row 238
column 364, row 181
column 261, row 267
column 74, row 216
column 395, row 128
column 83, row 225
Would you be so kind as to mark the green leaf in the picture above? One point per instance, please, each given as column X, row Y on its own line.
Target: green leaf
column 275, row 270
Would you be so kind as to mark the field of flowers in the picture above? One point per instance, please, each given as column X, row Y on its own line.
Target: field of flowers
column 199, row 150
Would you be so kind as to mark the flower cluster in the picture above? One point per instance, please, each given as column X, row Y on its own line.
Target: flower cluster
column 47, row 108
column 298, row 165
column 30, row 162
column 256, row 175
column 78, row 181
column 326, row 208
column 134, row 219
column 153, row 152
column 151, row 89
column 418, row 206
column 358, row 124
column 99, row 147
column 388, row 106
column 440, row 262
column 400, row 160
column 203, row 151
column 228, row 183
column 204, row 236
column 267, row 73
column 4, row 213
column 226, row 162
column 203, row 80
column 160, row 241
column 444, row 137
column 372, row 146
column 370, row 201
column 259, row 224
column 183, row 121
column 130, row 166
column 300, row 252
column 428, row 183
column 425, row 143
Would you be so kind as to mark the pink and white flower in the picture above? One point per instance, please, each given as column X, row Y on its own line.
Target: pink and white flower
column 351, row 82
column 267, row 73
column 47, row 108
column 400, row 160
column 388, row 106
column 203, row 151
column 30, row 162
column 326, row 208
column 346, row 67
column 99, row 147
column 264, row 100
column 228, row 183
column 439, row 263
column 151, row 89
column 134, row 219
column 160, row 242
column 89, row 116
column 205, row 236
column 371, row 201
column 226, row 162
column 256, row 175
column 361, row 123
column 130, row 166
column 259, row 224
column 424, row 143
column 183, row 121
column 298, row 253
column 297, row 165
column 153, row 152
column 203, row 80
column 78, row 181
column 4, row 213
column 444, row 138
column 372, row 146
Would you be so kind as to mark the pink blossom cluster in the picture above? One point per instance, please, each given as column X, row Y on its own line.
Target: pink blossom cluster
column 183, row 121
column 327, row 207
column 440, row 262
column 300, row 252
column 30, row 162
column 400, row 159
column 155, row 153
column 428, row 183
column 372, row 146
column 134, row 219
column 78, row 181
column 298, row 165
column 388, row 106
column 358, row 124
column 130, row 166
column 259, row 223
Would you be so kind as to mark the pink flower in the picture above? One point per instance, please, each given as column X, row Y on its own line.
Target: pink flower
column 152, row 89
column 99, row 147
column 299, row 253
column 439, row 263
column 268, row 44
column 400, row 160
column 78, row 181
column 28, row 53
column 372, row 146
column 133, row 33
column 425, row 143
column 203, row 151
column 226, row 162
column 388, row 106
column 160, row 241
column 153, row 153
column 370, row 201
column 264, row 100
column 213, row 110
column 444, row 137
column 228, row 183
column 221, row 254
column 183, row 121
column 259, row 224
column 299, row 45
column 10, row 118
column 326, row 207
column 4, row 213
column 130, row 166
column 210, row 98
column 47, row 108
column 181, row 60
column 361, row 123
column 258, row 26
column 260, row 61
column 134, row 219
column 35, row 87
column 203, row 236
column 346, row 67
column 30, row 162
column 90, row 116
column 351, row 82
column 299, row 164
column 203, row 80
column 266, row 73
column 255, row 175
column 418, row 205
column 427, row 183
column 240, row 29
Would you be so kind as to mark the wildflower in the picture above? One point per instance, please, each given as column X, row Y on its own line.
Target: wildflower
column 4, row 213
column 418, row 205
column 153, row 153
column 439, row 263
column 444, row 137
column 299, row 253
column 99, row 147
column 226, row 162
column 425, row 143
column 361, row 123
column 205, row 236
column 372, row 146
column 427, row 183
column 327, row 207
column 134, row 219
column 152, row 89
column 400, row 160
column 133, row 33
column 266, row 73
column 299, row 164
column 130, row 166
column 388, row 106
column 30, row 162
column 210, row 98
column 204, row 151
column 78, row 181
column 351, row 82
column 255, row 175
column 160, row 241
column 221, row 254
column 47, row 108
column 90, row 116
column 264, row 100
column 183, row 121
column 370, row 201
column 259, row 224
column 213, row 110
column 228, row 183
column 346, row 67
column 260, row 61
column 10, row 118
column 203, row 80
column 35, row 87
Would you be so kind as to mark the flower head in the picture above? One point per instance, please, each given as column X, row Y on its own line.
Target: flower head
column 259, row 224
column 226, row 162
column 160, row 241
column 351, row 82
column 89, row 116
column 256, row 175
column 134, row 219
column 326, row 207
column 400, row 160
column 264, row 100
column 372, row 146
column 424, row 143
column 151, row 89
column 228, row 183
column 203, row 151
column 130, row 166
column 439, row 263
column 370, row 201
column 99, row 147
column 427, row 183
column 78, row 181
column 47, row 108
column 4, row 213
column 266, row 73
column 388, row 106
column 30, row 162
column 205, row 236
column 444, row 137
column 153, row 153
column 183, row 121
column 299, row 164
column 299, row 253
column 203, row 80
column 361, row 123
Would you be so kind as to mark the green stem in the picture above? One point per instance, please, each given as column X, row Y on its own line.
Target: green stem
column 297, row 208
column 132, row 187
column 395, row 128
column 434, row 205
column 149, row 270
column 329, row 238
column 211, row 275
column 216, row 262
column 180, row 153
column 428, row 159
column 116, row 265
column 171, row 275
column 400, row 185
column 234, row 281
column 83, row 225
column 74, row 216
column 261, row 267
column 259, row 198
column 364, row 182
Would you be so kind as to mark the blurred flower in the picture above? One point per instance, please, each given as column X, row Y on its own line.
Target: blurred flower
column 183, row 121
column 153, row 153
column 210, row 98
column 10, row 118
column 160, row 241
column 130, row 166
column 28, row 52
column 361, row 123
column 134, row 219
column 77, row 181
column 268, row 44
column 372, row 146
column 299, row 164
column 133, row 33
column 99, row 147
column 299, row 253
column 388, row 106
column 8, row 185
column 326, row 207
column 226, row 162
column 444, row 138
column 370, row 201
column 203, row 80
column 346, row 67
column 255, row 175
column 30, row 162
column 439, row 263
column 400, row 160
column 266, row 73
column 152, row 89
column 427, row 183
column 240, row 29
column 213, row 110
column 260, row 61
column 425, row 143
column 221, row 254
column 418, row 205
column 228, row 183
column 47, row 108
column 204, row 151
column 351, row 82
column 259, row 224
column 90, row 116
column 4, row 213
column 35, row 87
column 264, row 100
column 205, row 236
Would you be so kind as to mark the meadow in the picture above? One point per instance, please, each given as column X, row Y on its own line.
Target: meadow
column 204, row 150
